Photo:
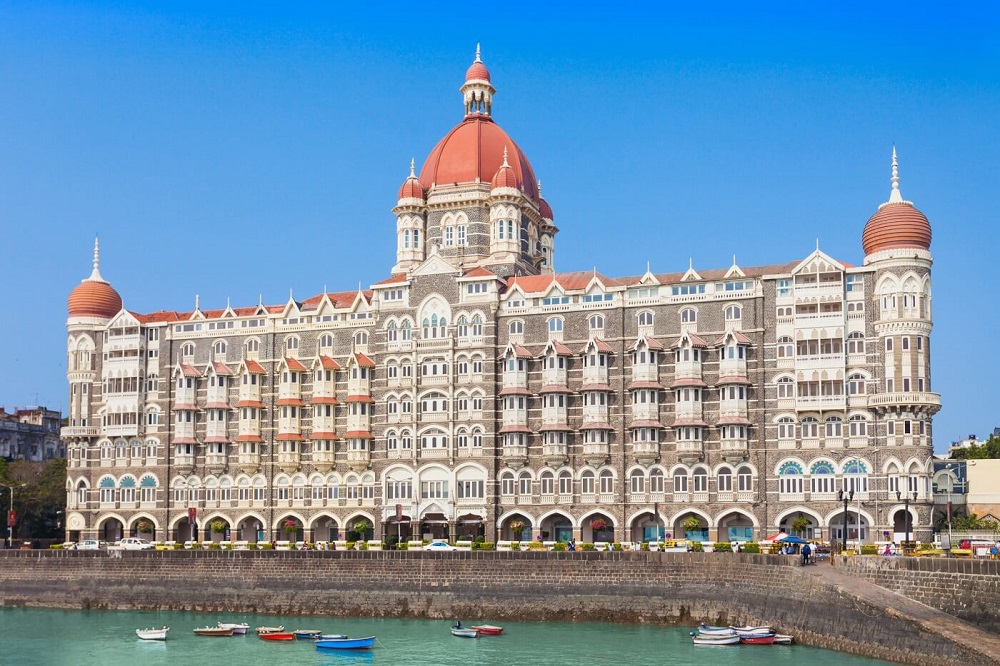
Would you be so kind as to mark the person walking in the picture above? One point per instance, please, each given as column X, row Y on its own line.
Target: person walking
column 806, row 551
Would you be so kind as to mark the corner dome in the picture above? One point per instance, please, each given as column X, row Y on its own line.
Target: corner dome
column 545, row 209
column 505, row 176
column 477, row 71
column 411, row 187
column 94, row 297
column 472, row 152
column 896, row 225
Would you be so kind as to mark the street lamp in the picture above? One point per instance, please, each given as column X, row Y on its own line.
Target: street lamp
column 10, row 515
column 951, row 482
column 399, row 532
column 906, row 510
column 845, row 498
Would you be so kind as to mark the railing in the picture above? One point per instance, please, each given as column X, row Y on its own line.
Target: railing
column 912, row 398
column 80, row 431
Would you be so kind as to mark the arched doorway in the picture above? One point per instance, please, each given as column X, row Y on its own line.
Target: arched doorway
column 801, row 524
column 185, row 530
column 111, row 530
column 735, row 526
column 217, row 528
column 597, row 528
column 250, row 529
column 646, row 527
column 556, row 527
column 516, row 527
column 857, row 531
column 691, row 526
column 144, row 528
column 470, row 526
column 325, row 528
column 434, row 525
column 902, row 523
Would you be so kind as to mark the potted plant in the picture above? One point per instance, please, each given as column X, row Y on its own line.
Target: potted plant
column 598, row 524
column 800, row 524
column 517, row 527
column 144, row 527
column 361, row 527
column 291, row 527
column 691, row 524
column 218, row 526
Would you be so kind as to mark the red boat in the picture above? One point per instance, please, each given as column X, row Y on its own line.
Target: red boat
column 758, row 640
column 488, row 630
column 277, row 636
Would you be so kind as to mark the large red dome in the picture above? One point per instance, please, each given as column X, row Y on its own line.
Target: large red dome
column 94, row 299
column 472, row 153
column 896, row 225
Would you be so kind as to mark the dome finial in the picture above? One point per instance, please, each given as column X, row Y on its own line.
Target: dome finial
column 197, row 302
column 478, row 55
column 895, row 196
column 505, row 157
column 95, row 275
column 413, row 168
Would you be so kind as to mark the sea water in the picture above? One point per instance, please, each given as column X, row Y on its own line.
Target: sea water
column 41, row 637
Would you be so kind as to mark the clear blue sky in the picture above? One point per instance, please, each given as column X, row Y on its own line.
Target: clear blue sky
column 240, row 150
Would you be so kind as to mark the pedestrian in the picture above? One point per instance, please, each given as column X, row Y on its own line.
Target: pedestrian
column 806, row 550
column 888, row 551
column 572, row 545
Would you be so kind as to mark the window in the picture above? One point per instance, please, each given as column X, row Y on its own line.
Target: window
column 786, row 428
column 599, row 297
column 856, row 343
column 734, row 312
column 858, row 426
column 810, row 428
column 291, row 345
column 607, row 482
column 689, row 316
column 253, row 346
column 507, row 484
column 856, row 385
column 855, row 283
column 524, row 484
column 834, row 427
column 724, row 481
column 786, row 347
column 645, row 318
column 587, row 483
column 360, row 338
column 555, row 325
column 784, row 311
column 680, row 481
column 461, row 234
column 822, row 479
column 790, row 479
column 700, row 479
column 187, row 349
column 516, row 327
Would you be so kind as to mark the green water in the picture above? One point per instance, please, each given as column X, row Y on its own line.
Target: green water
column 107, row 638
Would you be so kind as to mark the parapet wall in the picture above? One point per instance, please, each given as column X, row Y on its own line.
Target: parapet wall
column 967, row 589
column 666, row 588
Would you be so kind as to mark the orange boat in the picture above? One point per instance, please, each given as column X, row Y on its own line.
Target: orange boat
column 488, row 630
column 277, row 636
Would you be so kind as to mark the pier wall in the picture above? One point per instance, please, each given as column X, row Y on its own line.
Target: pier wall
column 664, row 588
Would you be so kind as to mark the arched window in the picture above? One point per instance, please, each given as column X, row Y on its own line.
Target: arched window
column 724, row 480
column 786, row 428
column 515, row 327
column 786, row 387
column 565, row 483
column 406, row 330
column 507, row 483
column 587, row 482
column 656, row 481
column 462, row 327
column 681, row 481
column 734, row 313
column 744, row 479
column 645, row 318
column 637, row 482
column 858, row 425
column 607, row 482
column 391, row 334
column 360, row 338
column 856, row 343
column 477, row 326
column 822, row 479
column 524, row 484
column 253, row 346
column 700, row 478
column 810, row 428
column 689, row 316
column 790, row 478
column 326, row 341
column 856, row 385
column 786, row 347
column 855, row 477
column 555, row 325
column 834, row 427
column 291, row 345
column 548, row 482
column 187, row 349
column 220, row 349
column 596, row 324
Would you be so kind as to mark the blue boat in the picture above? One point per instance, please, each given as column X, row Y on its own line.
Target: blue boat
column 346, row 643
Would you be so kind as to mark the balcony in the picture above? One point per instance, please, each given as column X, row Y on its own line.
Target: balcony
column 687, row 370
column 554, row 415
column 359, row 459
column 595, row 374
column 931, row 402
column 323, row 461
column 595, row 413
column 515, row 417
column 690, row 450
column 690, row 410
column 184, row 463
column 645, row 411
column 733, row 367
column 80, row 431
column 596, row 453
column 515, row 455
column 248, row 463
column 819, row 361
column 215, row 463
column 555, row 455
column 734, row 450
column 819, row 402
column 733, row 408
column 515, row 379
column 288, row 461
column 646, row 453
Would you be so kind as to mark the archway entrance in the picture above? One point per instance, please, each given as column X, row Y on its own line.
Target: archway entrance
column 397, row 531
column 144, row 528
column 434, row 526
column 325, row 528
column 902, row 522
column 801, row 525
column 556, row 527
column 216, row 529
column 470, row 526
column 647, row 527
column 856, row 531
column 111, row 530
column 734, row 527
column 186, row 531
column 691, row 526
column 516, row 528
column 250, row 529
column 598, row 528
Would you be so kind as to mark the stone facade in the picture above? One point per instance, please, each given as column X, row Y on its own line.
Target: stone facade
column 30, row 434
column 476, row 392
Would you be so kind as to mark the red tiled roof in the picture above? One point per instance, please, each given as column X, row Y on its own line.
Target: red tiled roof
column 514, row 428
column 216, row 440
column 249, row 438
column 596, row 425
column 602, row 346
column 324, row 400
column 358, row 434
column 740, row 339
column 596, row 387
column 324, row 435
column 652, row 343
column 514, row 390
column 294, row 364
column 255, row 368
column 289, row 437
column 339, row 300
column 217, row 405
column 402, row 277
column 189, row 370
column 328, row 363
column 646, row 423
column 555, row 427
column 290, row 402
column 733, row 420
column 359, row 398
column 519, row 351
column 695, row 341
column 364, row 361
column 250, row 403
column 561, row 349
column 554, row 388
column 479, row 271
column 733, row 380
column 185, row 440
column 688, row 381
column 222, row 369
column 155, row 317
column 689, row 422
column 646, row 385
column 185, row 407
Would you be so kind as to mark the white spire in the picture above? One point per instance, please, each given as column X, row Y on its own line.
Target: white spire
column 413, row 168
column 478, row 58
column 505, row 157
column 895, row 196
column 197, row 301
column 95, row 275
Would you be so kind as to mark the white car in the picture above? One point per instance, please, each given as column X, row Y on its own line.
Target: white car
column 90, row 544
column 440, row 545
column 132, row 543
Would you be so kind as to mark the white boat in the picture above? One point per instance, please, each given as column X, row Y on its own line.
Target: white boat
column 708, row 630
column 269, row 630
column 699, row 639
column 152, row 634
column 750, row 632
column 237, row 627
column 783, row 639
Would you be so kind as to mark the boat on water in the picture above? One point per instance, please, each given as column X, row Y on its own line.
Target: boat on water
column 767, row 639
column 152, row 634
column 269, row 630
column 488, row 629
column 239, row 628
column 307, row 634
column 214, row 631
column 709, row 630
column 752, row 631
column 465, row 633
column 783, row 639
column 699, row 639
column 277, row 635
column 345, row 643
column 331, row 637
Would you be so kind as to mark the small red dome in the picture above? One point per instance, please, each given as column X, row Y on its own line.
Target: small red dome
column 411, row 189
column 94, row 299
column 545, row 209
column 896, row 225
column 477, row 72
column 505, row 177
column 472, row 152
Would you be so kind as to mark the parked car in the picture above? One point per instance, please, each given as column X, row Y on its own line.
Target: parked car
column 440, row 545
column 90, row 544
column 133, row 543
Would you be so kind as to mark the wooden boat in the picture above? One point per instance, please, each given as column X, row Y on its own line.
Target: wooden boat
column 767, row 639
column 708, row 630
column 783, row 639
column 346, row 643
column 488, row 630
column 239, row 628
column 465, row 633
column 698, row 639
column 214, row 631
column 152, row 634
column 269, row 630
column 307, row 634
column 752, row 631
column 277, row 635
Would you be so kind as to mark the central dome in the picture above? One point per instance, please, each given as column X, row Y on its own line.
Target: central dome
column 472, row 152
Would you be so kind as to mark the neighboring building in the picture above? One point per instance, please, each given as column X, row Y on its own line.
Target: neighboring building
column 31, row 434
column 476, row 389
column 984, row 488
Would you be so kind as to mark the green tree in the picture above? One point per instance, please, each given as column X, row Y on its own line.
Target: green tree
column 990, row 449
column 39, row 496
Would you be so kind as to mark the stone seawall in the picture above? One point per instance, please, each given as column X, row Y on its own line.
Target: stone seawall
column 667, row 588
column 967, row 589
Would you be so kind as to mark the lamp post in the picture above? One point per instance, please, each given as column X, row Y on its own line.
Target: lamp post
column 951, row 482
column 10, row 515
column 906, row 510
column 845, row 498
